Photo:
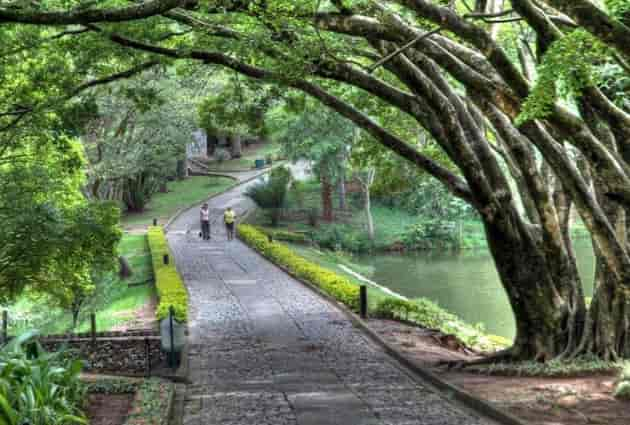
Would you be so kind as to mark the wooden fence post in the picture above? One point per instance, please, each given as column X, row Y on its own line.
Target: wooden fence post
column 5, row 326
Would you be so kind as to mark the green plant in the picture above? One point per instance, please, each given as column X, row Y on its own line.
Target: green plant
column 431, row 233
column 152, row 402
column 222, row 155
column 112, row 386
column 622, row 389
column 581, row 366
column 271, row 195
column 170, row 287
column 39, row 388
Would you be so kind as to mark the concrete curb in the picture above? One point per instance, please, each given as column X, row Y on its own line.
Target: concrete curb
column 449, row 390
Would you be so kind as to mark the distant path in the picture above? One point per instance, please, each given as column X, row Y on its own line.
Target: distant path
column 265, row 350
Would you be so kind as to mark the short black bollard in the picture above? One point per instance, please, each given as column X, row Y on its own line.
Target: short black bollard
column 155, row 221
column 147, row 353
column 165, row 258
column 5, row 326
column 93, row 327
column 363, row 301
column 171, row 313
column 270, row 238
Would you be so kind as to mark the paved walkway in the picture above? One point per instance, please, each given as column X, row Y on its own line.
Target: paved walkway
column 265, row 350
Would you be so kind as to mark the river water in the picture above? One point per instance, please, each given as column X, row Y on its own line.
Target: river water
column 465, row 283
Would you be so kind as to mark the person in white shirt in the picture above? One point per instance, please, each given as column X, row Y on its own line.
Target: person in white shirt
column 204, row 215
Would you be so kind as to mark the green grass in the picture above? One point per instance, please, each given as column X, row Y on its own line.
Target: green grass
column 584, row 366
column 246, row 162
column 181, row 194
column 116, row 303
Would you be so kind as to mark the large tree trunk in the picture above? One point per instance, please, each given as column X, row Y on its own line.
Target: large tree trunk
column 327, row 200
column 542, row 313
column 341, row 187
column 235, row 142
column 182, row 169
column 211, row 143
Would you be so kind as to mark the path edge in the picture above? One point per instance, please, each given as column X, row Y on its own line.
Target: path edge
column 449, row 390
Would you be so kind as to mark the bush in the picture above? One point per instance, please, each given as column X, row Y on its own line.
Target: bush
column 271, row 195
column 343, row 237
column 430, row 234
column 334, row 285
column 285, row 235
column 622, row 390
column 39, row 388
column 152, row 402
column 429, row 315
column 170, row 287
column 222, row 155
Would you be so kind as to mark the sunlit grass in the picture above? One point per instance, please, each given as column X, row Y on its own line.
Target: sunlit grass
column 181, row 194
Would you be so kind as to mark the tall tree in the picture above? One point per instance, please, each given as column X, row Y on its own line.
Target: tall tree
column 464, row 85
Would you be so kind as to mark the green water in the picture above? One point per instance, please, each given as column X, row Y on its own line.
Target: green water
column 464, row 283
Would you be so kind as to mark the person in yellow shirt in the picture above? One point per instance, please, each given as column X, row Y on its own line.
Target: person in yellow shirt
column 229, row 217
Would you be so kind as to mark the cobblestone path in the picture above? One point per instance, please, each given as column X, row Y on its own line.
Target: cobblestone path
column 265, row 350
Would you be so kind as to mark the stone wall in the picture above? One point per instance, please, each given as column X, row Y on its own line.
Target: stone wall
column 120, row 355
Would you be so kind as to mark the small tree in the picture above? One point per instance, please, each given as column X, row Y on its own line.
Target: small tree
column 271, row 195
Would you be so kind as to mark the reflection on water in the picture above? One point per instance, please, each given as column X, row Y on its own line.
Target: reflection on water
column 464, row 283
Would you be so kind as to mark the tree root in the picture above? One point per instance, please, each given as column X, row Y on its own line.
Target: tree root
column 498, row 357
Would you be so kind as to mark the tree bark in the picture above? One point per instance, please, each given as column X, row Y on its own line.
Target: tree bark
column 125, row 270
column 211, row 143
column 235, row 142
column 327, row 200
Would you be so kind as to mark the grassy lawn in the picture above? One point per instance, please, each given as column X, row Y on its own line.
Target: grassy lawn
column 117, row 303
column 181, row 194
column 246, row 162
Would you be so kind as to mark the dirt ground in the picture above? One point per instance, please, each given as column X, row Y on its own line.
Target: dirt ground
column 536, row 401
column 109, row 409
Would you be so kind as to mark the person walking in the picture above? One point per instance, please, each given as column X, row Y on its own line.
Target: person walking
column 204, row 215
column 229, row 217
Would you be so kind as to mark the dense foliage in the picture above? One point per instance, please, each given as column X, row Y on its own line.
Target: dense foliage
column 271, row 194
column 39, row 388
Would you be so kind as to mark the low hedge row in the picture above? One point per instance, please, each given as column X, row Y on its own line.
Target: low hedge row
column 331, row 283
column 170, row 287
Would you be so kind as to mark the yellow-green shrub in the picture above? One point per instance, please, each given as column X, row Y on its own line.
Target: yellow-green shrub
column 170, row 287
column 331, row 283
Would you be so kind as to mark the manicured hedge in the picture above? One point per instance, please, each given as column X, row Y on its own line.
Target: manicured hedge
column 170, row 287
column 331, row 283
